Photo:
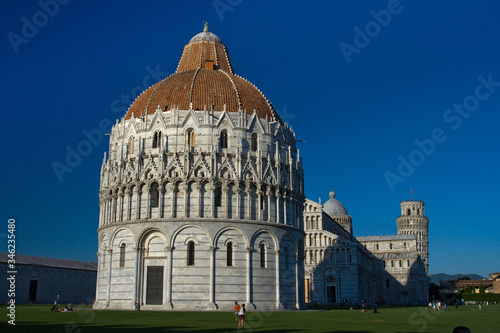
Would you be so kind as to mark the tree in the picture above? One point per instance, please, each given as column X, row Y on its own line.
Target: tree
column 433, row 291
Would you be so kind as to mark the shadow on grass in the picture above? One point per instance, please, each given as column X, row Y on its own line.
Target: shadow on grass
column 34, row 327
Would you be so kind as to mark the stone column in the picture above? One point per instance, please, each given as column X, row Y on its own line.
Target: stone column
column 113, row 208
column 225, row 190
column 129, row 204
column 137, row 202
column 122, row 205
column 259, row 207
column 100, row 212
column 278, row 196
column 297, row 303
column 137, row 254
column 108, row 291
column 164, row 298
column 172, row 201
column 148, row 202
column 141, row 286
column 285, row 208
column 99, row 259
column 212, row 278
column 198, row 188
column 168, row 299
column 212, row 200
column 184, row 188
column 268, row 193
column 248, row 213
column 105, row 208
column 278, row 300
column 249, row 275
column 237, row 201
column 160, row 201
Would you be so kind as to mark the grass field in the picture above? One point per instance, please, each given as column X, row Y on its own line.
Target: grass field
column 38, row 318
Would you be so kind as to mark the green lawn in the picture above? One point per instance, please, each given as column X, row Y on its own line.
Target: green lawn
column 38, row 318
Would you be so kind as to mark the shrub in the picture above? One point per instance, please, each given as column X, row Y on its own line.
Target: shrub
column 483, row 297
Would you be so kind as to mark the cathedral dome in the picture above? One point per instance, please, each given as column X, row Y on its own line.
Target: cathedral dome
column 333, row 206
column 206, row 36
column 204, row 80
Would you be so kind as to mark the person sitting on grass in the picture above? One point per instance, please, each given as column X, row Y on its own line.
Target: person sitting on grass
column 54, row 308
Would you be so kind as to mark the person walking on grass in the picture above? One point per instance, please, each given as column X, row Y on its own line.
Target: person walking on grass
column 241, row 315
column 236, row 310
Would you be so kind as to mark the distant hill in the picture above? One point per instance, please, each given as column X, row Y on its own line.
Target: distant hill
column 435, row 278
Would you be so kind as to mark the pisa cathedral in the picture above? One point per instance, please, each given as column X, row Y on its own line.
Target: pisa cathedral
column 389, row 269
column 202, row 203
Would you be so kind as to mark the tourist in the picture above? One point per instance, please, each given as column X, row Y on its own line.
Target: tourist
column 236, row 310
column 241, row 314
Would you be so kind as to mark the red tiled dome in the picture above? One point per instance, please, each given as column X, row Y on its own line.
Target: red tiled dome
column 205, row 78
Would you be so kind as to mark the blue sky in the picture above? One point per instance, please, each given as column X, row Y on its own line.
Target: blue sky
column 360, row 100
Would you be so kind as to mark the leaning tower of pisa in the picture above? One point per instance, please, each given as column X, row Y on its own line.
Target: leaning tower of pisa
column 414, row 222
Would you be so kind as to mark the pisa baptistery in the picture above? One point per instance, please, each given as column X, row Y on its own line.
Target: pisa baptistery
column 201, row 195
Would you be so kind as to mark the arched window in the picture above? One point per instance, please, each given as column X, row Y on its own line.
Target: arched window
column 131, row 143
column 229, row 250
column 191, row 138
column 156, row 139
column 408, row 212
column 154, row 195
column 223, row 139
column 254, row 142
column 377, row 246
column 218, row 196
column 122, row 255
column 418, row 211
column 262, row 255
column 190, row 253
column 390, row 246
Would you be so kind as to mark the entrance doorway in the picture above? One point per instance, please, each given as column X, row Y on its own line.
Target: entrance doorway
column 32, row 291
column 330, row 294
column 154, row 287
